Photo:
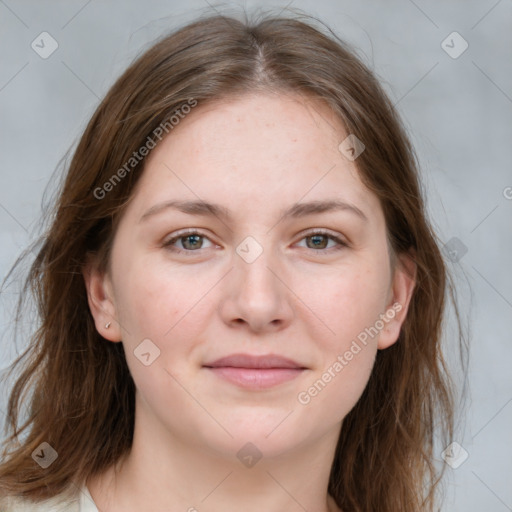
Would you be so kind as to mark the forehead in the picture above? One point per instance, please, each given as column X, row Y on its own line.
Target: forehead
column 279, row 124
column 261, row 148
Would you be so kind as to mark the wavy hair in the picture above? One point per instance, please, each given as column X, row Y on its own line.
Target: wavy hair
column 83, row 396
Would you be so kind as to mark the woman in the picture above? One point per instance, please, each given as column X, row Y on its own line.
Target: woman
column 240, row 294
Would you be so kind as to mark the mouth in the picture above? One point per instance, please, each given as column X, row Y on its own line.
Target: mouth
column 255, row 372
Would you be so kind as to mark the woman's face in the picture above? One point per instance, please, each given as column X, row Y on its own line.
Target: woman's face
column 272, row 268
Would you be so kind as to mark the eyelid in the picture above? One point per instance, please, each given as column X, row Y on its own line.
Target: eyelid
column 324, row 231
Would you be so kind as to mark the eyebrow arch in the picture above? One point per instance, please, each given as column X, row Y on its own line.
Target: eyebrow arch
column 297, row 210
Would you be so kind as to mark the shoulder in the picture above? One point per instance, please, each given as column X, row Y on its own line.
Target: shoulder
column 57, row 504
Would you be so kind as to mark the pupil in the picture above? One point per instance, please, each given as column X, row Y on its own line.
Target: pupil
column 315, row 239
column 189, row 237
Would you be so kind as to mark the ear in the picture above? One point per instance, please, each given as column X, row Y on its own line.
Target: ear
column 101, row 302
column 402, row 287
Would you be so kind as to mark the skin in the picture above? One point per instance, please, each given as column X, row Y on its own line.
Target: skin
column 255, row 155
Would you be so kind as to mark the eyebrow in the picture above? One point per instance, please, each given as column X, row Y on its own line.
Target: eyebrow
column 297, row 210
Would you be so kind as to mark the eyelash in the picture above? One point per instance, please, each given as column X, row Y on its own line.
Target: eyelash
column 342, row 244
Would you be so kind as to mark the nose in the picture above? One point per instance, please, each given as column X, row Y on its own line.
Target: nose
column 256, row 296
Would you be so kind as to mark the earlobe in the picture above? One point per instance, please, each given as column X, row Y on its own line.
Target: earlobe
column 101, row 303
column 404, row 281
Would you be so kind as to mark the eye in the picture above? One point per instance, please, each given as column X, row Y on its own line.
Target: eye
column 191, row 241
column 319, row 239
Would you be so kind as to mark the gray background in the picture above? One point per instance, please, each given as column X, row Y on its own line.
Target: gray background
column 459, row 111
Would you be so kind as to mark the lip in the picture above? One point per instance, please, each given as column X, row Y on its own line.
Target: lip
column 255, row 372
column 255, row 362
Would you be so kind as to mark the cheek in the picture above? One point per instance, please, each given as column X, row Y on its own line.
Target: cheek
column 156, row 298
column 158, row 305
column 350, row 305
column 149, row 305
column 346, row 304
column 333, row 393
column 166, row 305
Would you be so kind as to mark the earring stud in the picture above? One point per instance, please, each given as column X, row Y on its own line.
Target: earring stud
column 107, row 325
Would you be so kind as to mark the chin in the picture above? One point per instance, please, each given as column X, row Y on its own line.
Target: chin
column 272, row 433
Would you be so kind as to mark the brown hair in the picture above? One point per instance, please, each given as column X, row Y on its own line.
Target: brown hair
column 83, row 400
